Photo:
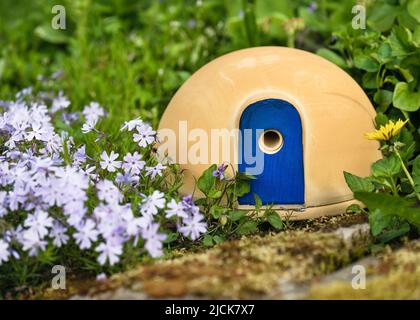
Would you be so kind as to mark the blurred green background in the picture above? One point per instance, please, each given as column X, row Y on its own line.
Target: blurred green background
column 131, row 56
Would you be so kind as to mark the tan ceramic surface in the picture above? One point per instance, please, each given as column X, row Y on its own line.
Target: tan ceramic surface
column 334, row 110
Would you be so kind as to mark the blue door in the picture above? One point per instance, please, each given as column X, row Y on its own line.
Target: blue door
column 277, row 132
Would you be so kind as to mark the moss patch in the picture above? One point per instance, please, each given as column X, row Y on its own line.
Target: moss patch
column 247, row 268
column 250, row 267
column 396, row 276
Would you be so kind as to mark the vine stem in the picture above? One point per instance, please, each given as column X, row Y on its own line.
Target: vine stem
column 408, row 175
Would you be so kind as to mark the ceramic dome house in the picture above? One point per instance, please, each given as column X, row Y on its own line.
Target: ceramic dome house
column 311, row 117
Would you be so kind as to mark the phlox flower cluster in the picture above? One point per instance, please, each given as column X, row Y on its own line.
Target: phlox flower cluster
column 48, row 184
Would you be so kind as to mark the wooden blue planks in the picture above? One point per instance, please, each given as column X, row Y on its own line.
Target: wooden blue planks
column 282, row 180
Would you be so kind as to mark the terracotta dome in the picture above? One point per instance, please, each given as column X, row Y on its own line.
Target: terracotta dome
column 311, row 117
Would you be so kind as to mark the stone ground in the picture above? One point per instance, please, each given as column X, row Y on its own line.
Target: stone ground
column 310, row 260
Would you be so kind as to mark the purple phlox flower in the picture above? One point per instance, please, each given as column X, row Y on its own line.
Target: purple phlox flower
column 188, row 200
column 53, row 145
column 132, row 124
column 153, row 240
column 70, row 117
column 145, row 136
column 39, row 222
column 133, row 163
column 126, row 178
column 101, row 277
column 151, row 204
column 155, row 171
column 60, row 102
column 133, row 224
column 58, row 233
column 93, row 111
column 14, row 234
column 79, row 156
column 3, row 204
column 90, row 171
column 176, row 209
column 4, row 251
column 72, row 176
column 86, row 234
column 109, row 252
column 39, row 114
column 38, row 133
column 109, row 162
column 23, row 93
column 89, row 125
column 108, row 192
column 193, row 226
column 32, row 242
column 220, row 171
column 74, row 216
column 116, row 235
column 41, row 164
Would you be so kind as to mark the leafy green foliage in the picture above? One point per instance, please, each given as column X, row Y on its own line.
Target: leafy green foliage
column 392, row 205
column 207, row 181
column 357, row 184
column 385, row 57
column 220, row 204
column 391, row 193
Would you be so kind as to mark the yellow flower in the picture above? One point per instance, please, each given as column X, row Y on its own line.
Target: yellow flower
column 386, row 132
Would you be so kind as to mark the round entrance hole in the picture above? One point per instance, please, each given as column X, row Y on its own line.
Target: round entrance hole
column 270, row 141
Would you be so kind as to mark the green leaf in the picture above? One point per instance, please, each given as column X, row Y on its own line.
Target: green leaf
column 391, row 205
column 413, row 8
column 236, row 215
column 241, row 188
column 332, row 56
column 215, row 194
column 416, row 174
column 386, row 167
column 357, row 184
column 406, row 73
column 354, row 208
column 247, row 227
column 379, row 221
column 387, row 227
column 382, row 17
column 381, row 120
column 369, row 80
column 366, row 63
column 258, row 202
column 383, row 98
column 218, row 239
column 407, row 139
column 394, row 233
column 201, row 202
column 399, row 40
column 208, row 240
column 244, row 176
column 171, row 237
column 385, row 52
column 2, row 66
column 405, row 99
column 274, row 219
column 416, row 36
column 216, row 211
column 207, row 181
